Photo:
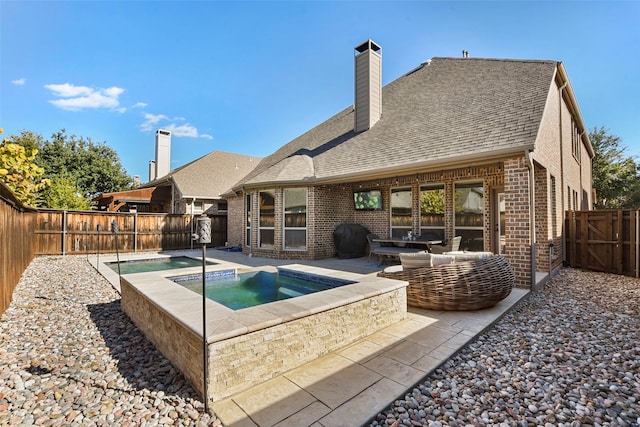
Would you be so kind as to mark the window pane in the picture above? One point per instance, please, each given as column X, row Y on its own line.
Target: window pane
column 295, row 207
column 472, row 240
column 401, row 204
column 295, row 239
column 432, row 204
column 469, row 205
column 295, row 218
column 267, row 208
column 266, row 238
column 248, row 220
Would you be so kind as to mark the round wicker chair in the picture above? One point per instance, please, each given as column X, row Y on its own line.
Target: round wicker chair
column 465, row 285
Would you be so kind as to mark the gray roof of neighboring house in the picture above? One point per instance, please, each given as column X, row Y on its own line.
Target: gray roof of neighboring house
column 444, row 111
column 210, row 176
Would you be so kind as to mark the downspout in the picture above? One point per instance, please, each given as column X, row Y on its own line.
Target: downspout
column 562, row 205
column 193, row 202
column 532, row 221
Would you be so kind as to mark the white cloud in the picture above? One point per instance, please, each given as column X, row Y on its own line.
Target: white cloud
column 139, row 105
column 76, row 98
column 157, row 121
column 183, row 130
column 19, row 82
column 151, row 121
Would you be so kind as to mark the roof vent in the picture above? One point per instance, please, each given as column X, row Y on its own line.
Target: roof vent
column 465, row 53
column 368, row 85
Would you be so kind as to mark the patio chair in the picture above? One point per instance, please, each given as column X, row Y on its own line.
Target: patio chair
column 452, row 245
column 373, row 245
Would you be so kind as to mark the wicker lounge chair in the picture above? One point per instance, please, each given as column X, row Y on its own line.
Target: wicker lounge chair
column 464, row 285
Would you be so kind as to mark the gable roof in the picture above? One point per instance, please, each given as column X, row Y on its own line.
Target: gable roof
column 209, row 176
column 446, row 111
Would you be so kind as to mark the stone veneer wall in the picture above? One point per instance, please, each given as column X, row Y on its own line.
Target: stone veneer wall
column 238, row 363
column 241, row 362
column 176, row 342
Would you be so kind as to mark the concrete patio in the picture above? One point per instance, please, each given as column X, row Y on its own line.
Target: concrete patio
column 350, row 386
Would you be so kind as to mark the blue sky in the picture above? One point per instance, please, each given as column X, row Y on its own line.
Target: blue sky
column 247, row 77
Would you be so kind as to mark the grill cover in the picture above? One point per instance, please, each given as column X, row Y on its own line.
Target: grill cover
column 350, row 240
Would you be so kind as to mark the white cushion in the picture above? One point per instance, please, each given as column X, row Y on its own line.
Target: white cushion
column 415, row 260
column 437, row 259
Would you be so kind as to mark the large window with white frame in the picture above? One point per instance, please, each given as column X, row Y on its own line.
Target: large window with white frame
column 432, row 203
column 266, row 219
column 248, row 204
column 469, row 215
column 401, row 203
column 295, row 218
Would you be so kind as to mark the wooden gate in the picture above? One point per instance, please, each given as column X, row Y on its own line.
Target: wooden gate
column 603, row 240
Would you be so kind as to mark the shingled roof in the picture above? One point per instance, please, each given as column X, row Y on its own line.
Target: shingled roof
column 209, row 176
column 446, row 111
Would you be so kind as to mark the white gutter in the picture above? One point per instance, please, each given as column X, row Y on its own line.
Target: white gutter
column 532, row 222
column 564, row 249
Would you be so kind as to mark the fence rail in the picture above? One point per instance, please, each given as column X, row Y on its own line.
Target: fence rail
column 77, row 232
column 605, row 240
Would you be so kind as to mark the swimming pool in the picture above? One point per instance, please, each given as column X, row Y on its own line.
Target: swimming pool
column 155, row 264
column 237, row 291
column 249, row 346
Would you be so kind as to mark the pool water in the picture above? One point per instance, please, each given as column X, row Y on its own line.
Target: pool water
column 156, row 264
column 237, row 291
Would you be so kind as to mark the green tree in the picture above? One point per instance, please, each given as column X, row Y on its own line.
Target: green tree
column 615, row 175
column 77, row 167
column 63, row 194
column 95, row 167
column 19, row 172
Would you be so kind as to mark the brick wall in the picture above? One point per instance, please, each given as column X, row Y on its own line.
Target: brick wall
column 517, row 220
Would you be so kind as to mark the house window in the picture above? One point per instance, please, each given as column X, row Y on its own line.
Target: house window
column 266, row 219
column 198, row 206
column 222, row 206
column 247, row 241
column 295, row 218
column 469, row 215
column 400, row 212
column 575, row 142
column 432, row 212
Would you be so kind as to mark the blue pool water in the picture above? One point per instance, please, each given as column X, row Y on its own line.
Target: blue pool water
column 156, row 264
column 250, row 289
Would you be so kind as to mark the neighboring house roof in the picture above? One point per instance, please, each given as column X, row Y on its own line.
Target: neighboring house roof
column 445, row 112
column 209, row 176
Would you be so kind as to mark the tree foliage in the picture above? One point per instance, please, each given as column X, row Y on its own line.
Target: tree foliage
column 615, row 175
column 20, row 173
column 77, row 167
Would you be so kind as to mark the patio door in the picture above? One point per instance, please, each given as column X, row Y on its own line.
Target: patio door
column 498, row 240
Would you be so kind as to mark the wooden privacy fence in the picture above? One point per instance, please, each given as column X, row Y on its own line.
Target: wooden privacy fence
column 603, row 240
column 16, row 243
column 77, row 232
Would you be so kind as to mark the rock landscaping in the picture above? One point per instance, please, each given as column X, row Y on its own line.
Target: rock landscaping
column 569, row 355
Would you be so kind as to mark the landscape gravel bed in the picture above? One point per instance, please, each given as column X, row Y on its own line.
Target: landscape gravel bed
column 70, row 356
column 567, row 356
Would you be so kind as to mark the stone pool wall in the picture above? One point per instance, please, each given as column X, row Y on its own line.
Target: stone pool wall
column 241, row 361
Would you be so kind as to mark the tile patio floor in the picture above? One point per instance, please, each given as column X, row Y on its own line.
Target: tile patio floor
column 350, row 386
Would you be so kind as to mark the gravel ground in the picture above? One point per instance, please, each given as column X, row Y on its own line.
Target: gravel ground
column 70, row 356
column 567, row 356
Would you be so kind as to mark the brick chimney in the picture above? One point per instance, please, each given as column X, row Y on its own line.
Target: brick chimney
column 368, row 85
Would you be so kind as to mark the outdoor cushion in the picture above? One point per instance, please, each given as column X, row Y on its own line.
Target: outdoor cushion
column 437, row 259
column 460, row 256
column 415, row 260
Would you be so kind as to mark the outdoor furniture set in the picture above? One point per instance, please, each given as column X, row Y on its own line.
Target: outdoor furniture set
column 453, row 280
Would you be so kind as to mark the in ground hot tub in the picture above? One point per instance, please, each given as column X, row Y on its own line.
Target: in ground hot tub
column 251, row 345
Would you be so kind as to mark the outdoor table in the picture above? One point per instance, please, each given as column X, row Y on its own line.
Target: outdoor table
column 413, row 243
